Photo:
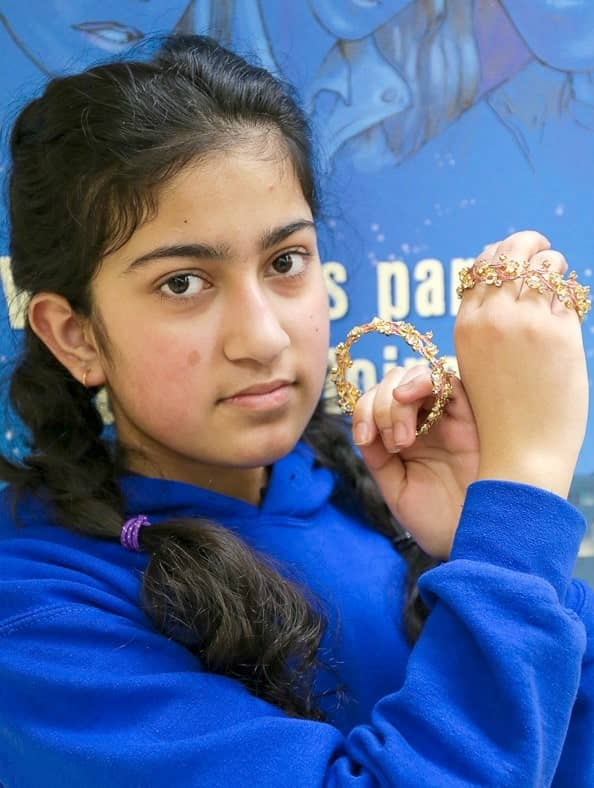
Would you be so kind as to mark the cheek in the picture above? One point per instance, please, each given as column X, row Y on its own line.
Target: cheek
column 158, row 374
column 320, row 329
column 319, row 314
column 312, row 326
column 193, row 358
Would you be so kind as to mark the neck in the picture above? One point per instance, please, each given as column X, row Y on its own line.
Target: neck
column 245, row 484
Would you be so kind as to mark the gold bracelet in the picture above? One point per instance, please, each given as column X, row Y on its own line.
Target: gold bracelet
column 348, row 394
column 568, row 291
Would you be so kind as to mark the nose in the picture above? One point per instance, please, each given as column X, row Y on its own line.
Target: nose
column 253, row 329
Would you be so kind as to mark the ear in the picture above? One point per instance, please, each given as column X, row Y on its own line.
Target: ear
column 67, row 335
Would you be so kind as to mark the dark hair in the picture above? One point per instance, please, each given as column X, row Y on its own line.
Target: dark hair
column 88, row 159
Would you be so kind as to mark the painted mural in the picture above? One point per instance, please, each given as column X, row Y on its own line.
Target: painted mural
column 442, row 125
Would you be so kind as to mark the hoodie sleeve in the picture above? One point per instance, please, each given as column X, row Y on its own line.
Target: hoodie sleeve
column 576, row 767
column 93, row 698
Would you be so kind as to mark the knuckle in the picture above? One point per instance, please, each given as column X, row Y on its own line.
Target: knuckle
column 381, row 412
column 532, row 324
column 557, row 259
column 399, row 412
column 419, row 370
column 489, row 250
column 528, row 325
column 465, row 323
column 393, row 376
column 484, row 325
column 517, row 243
column 415, row 373
column 530, row 236
column 495, row 325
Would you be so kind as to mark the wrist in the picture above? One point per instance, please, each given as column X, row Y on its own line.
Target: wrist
column 552, row 476
column 519, row 527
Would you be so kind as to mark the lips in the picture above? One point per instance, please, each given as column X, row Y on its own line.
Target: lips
column 271, row 397
column 261, row 388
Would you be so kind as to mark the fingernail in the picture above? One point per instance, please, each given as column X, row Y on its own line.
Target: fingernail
column 388, row 439
column 360, row 432
column 400, row 433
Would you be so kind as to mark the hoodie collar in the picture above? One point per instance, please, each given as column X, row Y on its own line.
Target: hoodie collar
column 298, row 488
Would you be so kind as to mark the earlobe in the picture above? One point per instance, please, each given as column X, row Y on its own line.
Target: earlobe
column 61, row 329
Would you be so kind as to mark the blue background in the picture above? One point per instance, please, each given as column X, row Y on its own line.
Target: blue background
column 441, row 127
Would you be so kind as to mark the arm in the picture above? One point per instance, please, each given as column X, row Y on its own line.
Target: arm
column 92, row 696
column 576, row 768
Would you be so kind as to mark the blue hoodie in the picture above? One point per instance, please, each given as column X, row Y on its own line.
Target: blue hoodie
column 498, row 691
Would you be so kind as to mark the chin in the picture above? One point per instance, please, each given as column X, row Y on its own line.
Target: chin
column 270, row 446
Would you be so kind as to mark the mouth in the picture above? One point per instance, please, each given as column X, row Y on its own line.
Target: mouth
column 269, row 397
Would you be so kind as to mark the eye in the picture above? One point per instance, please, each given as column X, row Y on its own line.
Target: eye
column 291, row 264
column 185, row 285
column 109, row 35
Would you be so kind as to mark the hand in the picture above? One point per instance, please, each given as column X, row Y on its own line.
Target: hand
column 423, row 480
column 522, row 360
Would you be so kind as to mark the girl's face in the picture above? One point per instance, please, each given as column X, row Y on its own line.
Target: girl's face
column 222, row 291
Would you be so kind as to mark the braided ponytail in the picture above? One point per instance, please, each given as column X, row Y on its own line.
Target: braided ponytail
column 68, row 456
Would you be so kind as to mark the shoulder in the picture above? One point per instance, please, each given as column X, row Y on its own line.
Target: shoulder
column 46, row 565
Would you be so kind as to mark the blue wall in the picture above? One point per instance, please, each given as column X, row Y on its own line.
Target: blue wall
column 442, row 127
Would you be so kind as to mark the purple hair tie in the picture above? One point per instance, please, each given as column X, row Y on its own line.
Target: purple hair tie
column 129, row 535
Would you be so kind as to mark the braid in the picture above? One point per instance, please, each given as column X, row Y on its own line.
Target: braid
column 68, row 458
column 238, row 612
column 329, row 436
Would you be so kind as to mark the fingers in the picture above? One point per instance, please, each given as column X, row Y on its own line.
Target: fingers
column 529, row 246
column 523, row 245
column 406, row 401
column 369, row 417
column 518, row 246
column 556, row 262
column 473, row 297
column 392, row 417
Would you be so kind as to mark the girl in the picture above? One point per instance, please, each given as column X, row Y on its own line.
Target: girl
column 225, row 593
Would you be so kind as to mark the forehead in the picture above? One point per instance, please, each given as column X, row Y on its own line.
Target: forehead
column 235, row 185
column 229, row 200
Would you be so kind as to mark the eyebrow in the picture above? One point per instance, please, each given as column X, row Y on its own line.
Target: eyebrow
column 269, row 239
